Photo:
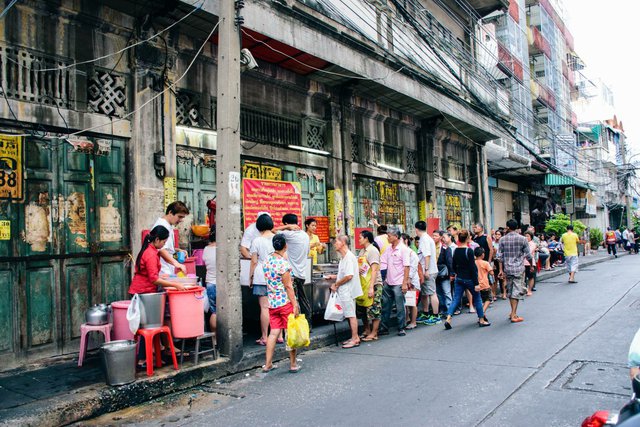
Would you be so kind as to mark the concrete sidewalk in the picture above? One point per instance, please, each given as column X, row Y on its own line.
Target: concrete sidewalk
column 61, row 392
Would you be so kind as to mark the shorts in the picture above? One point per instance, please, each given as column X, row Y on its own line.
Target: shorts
column 572, row 263
column 485, row 294
column 211, row 295
column 260, row 290
column 429, row 285
column 528, row 274
column 516, row 288
column 278, row 316
column 374, row 311
column 348, row 307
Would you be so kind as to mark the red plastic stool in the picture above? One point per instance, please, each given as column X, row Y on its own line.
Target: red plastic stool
column 84, row 331
column 152, row 336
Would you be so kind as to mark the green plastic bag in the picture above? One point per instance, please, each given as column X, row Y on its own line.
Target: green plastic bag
column 297, row 331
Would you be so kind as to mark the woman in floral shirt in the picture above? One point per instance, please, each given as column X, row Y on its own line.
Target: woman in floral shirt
column 282, row 300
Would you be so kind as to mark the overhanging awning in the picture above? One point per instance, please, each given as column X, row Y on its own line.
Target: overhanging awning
column 555, row 180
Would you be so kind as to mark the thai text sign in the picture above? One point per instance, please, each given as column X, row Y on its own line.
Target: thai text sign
column 276, row 197
column 323, row 228
column 10, row 167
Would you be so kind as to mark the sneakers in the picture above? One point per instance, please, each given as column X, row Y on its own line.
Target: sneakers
column 433, row 320
column 422, row 317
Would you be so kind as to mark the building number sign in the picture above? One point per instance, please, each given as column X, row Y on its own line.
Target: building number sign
column 11, row 167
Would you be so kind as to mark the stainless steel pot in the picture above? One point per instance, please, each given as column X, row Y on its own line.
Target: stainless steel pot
column 97, row 315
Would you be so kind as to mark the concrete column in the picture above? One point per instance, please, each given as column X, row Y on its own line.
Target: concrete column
column 482, row 189
column 347, row 175
column 426, row 165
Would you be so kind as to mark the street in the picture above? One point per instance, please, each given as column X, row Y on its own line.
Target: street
column 566, row 360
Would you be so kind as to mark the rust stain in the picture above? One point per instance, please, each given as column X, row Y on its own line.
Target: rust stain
column 77, row 213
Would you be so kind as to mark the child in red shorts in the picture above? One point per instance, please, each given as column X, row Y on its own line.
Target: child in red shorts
column 282, row 300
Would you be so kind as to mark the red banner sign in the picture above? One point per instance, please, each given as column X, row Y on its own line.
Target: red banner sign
column 357, row 236
column 276, row 197
column 323, row 228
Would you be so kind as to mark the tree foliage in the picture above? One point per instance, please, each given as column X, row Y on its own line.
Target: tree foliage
column 558, row 224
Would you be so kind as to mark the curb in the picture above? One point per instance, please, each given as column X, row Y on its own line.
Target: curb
column 95, row 400
column 562, row 271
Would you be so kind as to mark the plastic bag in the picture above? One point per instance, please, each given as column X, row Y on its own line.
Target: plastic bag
column 334, row 311
column 411, row 299
column 297, row 331
column 634, row 351
column 365, row 281
column 133, row 314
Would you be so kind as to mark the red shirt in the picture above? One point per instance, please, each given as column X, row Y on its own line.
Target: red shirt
column 147, row 273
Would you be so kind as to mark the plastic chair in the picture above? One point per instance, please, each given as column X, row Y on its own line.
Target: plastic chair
column 151, row 338
column 84, row 331
column 197, row 352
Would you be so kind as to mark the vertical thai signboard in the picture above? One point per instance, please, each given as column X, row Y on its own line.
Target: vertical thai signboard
column 276, row 197
column 11, row 172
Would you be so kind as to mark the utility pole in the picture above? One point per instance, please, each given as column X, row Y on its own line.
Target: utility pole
column 228, row 184
column 626, row 179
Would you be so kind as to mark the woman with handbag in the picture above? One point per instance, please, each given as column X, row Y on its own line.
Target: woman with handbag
column 369, row 305
column 466, row 272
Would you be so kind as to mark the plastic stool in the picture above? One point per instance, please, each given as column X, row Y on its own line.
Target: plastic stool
column 151, row 338
column 197, row 351
column 84, row 330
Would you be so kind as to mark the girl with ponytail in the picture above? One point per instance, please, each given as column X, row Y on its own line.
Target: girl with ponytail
column 146, row 278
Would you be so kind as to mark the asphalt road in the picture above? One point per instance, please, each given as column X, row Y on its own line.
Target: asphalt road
column 566, row 360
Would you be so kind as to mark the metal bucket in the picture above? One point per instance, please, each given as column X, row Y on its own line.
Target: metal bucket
column 152, row 310
column 119, row 361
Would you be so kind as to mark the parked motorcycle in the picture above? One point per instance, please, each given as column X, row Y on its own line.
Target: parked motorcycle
column 628, row 416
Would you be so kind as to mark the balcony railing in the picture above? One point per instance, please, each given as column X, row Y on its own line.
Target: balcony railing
column 540, row 43
column 514, row 11
column 542, row 94
column 508, row 64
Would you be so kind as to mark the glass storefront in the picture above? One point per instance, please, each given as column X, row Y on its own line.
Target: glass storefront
column 391, row 203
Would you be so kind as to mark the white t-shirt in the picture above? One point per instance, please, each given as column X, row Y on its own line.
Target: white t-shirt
column 250, row 234
column 413, row 269
column 298, row 251
column 426, row 249
column 169, row 246
column 263, row 246
column 209, row 259
column 349, row 266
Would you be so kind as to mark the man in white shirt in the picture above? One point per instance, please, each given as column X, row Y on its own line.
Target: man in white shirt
column 174, row 215
column 298, row 254
column 428, row 261
column 348, row 287
column 249, row 235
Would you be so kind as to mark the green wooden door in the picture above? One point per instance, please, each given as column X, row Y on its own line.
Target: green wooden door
column 196, row 172
column 63, row 255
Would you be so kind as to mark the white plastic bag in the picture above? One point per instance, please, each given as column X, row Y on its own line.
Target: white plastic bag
column 133, row 314
column 411, row 299
column 634, row 351
column 334, row 311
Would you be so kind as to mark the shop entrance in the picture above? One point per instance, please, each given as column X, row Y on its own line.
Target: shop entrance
column 68, row 247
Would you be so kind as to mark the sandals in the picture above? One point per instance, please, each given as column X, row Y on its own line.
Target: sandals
column 409, row 327
column 447, row 325
column 295, row 369
column 280, row 341
column 261, row 342
column 516, row 319
column 350, row 344
column 266, row 370
column 368, row 338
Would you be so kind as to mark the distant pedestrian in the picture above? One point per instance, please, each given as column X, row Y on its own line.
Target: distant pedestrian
column 570, row 242
column 445, row 269
column 625, row 238
column 619, row 238
column 611, row 241
column 282, row 301
column 512, row 252
column 530, row 273
column 485, row 270
column 397, row 261
column 466, row 271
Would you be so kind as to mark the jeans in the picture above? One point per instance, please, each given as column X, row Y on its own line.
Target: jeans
column 443, row 289
column 460, row 285
column 391, row 294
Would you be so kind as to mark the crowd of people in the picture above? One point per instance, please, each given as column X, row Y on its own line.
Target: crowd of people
column 444, row 272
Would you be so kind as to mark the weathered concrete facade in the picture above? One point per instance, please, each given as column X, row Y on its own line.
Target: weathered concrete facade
column 399, row 150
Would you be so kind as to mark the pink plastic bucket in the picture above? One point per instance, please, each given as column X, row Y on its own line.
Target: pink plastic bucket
column 120, row 323
column 187, row 312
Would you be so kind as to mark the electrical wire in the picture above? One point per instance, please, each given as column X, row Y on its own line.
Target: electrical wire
column 124, row 49
column 170, row 86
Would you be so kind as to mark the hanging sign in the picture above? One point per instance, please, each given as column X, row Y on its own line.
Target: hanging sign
column 170, row 191
column 276, row 197
column 5, row 230
column 11, row 172
column 322, row 231
column 356, row 238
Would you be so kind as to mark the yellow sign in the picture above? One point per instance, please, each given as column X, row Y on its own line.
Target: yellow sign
column 170, row 191
column 335, row 205
column 5, row 230
column 11, row 167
